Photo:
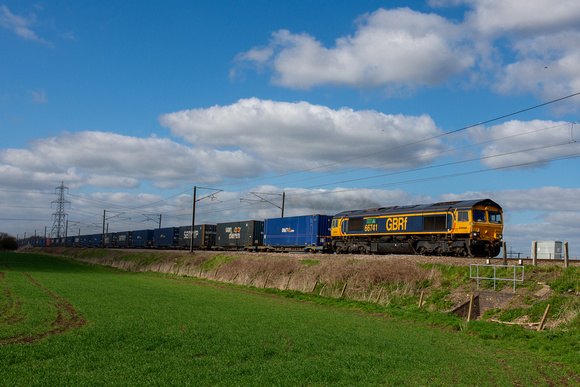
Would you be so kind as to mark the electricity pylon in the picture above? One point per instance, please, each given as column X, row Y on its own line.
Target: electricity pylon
column 59, row 217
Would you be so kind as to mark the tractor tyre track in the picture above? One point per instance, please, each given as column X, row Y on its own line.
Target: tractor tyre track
column 67, row 317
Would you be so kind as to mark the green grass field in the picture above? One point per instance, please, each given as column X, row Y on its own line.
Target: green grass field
column 67, row 323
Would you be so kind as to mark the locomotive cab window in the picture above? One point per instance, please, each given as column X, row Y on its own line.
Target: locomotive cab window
column 462, row 216
column 494, row 217
column 479, row 216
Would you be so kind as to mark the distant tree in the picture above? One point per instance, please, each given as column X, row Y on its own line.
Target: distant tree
column 7, row 242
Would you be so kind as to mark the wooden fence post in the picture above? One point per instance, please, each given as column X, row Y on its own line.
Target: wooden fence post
column 266, row 281
column 314, row 287
column 380, row 294
column 421, row 300
column 541, row 326
column 566, row 256
column 535, row 253
column 343, row 289
column 470, row 308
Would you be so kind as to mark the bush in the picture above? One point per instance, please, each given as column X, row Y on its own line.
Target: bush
column 7, row 242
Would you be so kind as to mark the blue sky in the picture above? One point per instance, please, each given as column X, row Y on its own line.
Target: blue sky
column 340, row 104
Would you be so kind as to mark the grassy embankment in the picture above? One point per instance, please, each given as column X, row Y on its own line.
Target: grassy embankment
column 128, row 328
column 395, row 283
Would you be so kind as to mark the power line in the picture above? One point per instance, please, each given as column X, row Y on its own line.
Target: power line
column 542, row 147
column 411, row 143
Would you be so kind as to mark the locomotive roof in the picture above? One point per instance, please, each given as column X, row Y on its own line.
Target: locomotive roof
column 433, row 207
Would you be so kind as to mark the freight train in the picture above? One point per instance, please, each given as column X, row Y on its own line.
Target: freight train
column 461, row 228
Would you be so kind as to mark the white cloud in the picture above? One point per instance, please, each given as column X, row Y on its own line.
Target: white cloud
column 113, row 160
column 543, row 36
column 289, row 136
column 506, row 44
column 547, row 66
column 498, row 16
column 112, row 181
column 20, row 25
column 567, row 220
column 38, row 96
column 398, row 46
column 524, row 142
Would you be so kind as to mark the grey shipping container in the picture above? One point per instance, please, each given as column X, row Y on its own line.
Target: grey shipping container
column 203, row 236
column 246, row 234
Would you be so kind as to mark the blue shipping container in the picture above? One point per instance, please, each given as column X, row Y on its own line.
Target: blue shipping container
column 96, row 240
column 297, row 231
column 86, row 240
column 166, row 237
column 142, row 238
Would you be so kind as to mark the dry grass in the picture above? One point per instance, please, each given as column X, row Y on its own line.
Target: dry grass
column 327, row 275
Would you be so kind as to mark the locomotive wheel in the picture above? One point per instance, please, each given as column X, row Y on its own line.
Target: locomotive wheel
column 477, row 252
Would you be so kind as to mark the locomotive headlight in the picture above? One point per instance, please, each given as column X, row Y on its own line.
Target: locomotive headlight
column 499, row 236
column 475, row 234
